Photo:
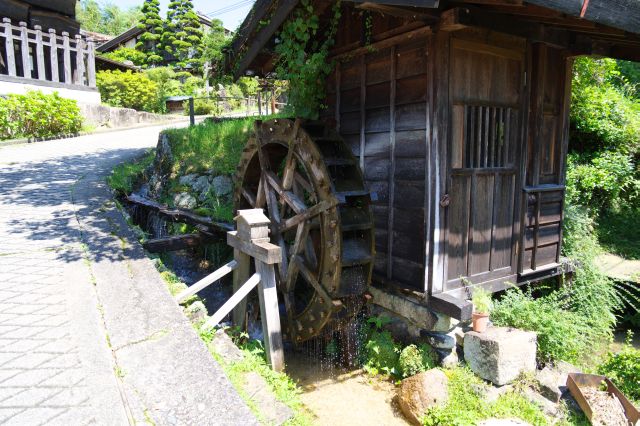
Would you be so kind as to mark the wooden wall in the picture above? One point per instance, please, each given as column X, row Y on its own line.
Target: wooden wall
column 395, row 104
column 378, row 99
column 546, row 155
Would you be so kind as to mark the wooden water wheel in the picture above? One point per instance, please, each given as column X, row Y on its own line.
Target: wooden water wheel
column 312, row 189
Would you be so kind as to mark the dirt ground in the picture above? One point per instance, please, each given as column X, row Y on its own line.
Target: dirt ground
column 340, row 397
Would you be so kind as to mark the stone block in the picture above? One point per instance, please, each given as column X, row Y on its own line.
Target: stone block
column 500, row 354
column 552, row 380
column 420, row 392
column 440, row 340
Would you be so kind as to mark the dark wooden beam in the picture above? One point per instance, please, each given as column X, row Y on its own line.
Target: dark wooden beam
column 623, row 14
column 173, row 243
column 397, row 11
column 454, row 307
column 180, row 215
column 462, row 17
column 427, row 4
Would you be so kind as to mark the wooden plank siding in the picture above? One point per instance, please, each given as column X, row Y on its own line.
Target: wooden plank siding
column 461, row 136
column 378, row 100
column 542, row 203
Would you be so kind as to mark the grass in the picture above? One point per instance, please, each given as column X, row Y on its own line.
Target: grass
column 124, row 177
column 619, row 232
column 466, row 405
column 254, row 360
column 210, row 145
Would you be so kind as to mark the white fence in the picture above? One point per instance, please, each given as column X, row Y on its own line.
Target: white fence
column 36, row 55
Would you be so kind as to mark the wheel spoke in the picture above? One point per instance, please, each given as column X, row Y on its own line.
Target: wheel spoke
column 292, row 199
column 311, row 279
column 260, row 196
column 305, row 215
column 303, row 182
column 251, row 199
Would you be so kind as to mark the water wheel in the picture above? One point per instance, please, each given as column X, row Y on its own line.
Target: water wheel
column 312, row 189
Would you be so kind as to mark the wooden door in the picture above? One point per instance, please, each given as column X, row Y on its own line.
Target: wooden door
column 483, row 163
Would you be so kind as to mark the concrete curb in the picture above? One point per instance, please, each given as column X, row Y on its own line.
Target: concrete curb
column 166, row 371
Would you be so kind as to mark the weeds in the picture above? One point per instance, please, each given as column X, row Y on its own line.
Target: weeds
column 124, row 177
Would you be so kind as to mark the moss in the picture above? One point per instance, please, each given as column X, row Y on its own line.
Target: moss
column 124, row 177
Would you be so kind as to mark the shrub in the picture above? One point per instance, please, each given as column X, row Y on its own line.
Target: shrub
column 623, row 368
column 202, row 107
column 381, row 354
column 482, row 301
column 38, row 115
column 414, row 359
column 128, row 90
column 466, row 405
column 124, row 54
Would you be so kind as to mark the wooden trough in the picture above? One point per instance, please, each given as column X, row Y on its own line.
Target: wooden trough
column 577, row 382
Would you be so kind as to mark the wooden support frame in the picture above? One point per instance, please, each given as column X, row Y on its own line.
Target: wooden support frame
column 250, row 223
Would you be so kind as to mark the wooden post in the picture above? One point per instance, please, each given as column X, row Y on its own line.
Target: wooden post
column 252, row 238
column 270, row 313
column 8, row 43
column 42, row 75
column 259, row 106
column 53, row 54
column 240, row 275
column 66, row 57
column 24, row 48
column 79, row 60
column 91, row 63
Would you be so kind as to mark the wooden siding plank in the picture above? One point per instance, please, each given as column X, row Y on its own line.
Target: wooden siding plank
column 392, row 154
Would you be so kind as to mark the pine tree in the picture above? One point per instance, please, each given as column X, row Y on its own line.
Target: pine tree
column 150, row 40
column 182, row 37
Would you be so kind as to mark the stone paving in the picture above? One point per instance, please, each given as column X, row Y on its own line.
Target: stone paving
column 56, row 365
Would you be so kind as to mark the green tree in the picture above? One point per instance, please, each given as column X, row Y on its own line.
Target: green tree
column 107, row 18
column 150, row 40
column 213, row 44
column 182, row 37
column 127, row 54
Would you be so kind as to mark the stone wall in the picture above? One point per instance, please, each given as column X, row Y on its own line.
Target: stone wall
column 104, row 116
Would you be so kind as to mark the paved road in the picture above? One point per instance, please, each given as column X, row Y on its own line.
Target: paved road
column 60, row 303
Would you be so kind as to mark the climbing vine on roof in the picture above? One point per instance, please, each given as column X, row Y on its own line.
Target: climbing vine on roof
column 304, row 57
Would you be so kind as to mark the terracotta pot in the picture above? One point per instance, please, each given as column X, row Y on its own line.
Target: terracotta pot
column 480, row 321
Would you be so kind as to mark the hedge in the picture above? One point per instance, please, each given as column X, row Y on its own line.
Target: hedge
column 128, row 90
column 38, row 115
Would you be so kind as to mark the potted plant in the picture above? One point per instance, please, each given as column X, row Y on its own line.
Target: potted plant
column 481, row 307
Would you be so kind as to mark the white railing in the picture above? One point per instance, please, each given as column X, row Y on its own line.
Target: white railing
column 250, row 241
column 34, row 54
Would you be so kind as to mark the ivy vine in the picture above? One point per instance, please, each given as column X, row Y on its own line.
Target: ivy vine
column 303, row 58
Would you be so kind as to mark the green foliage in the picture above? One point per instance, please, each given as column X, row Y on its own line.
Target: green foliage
column 210, row 145
column 248, row 86
column 481, row 300
column 182, row 35
column 202, row 107
column 37, row 115
column 623, row 368
column 619, row 232
column 415, row 359
column 107, row 18
column 124, row 54
column 561, row 333
column 149, row 42
column 213, row 43
column 125, row 176
column 128, row 90
column 254, row 360
column 303, row 57
column 602, row 180
column 381, row 354
column 577, row 318
column 466, row 405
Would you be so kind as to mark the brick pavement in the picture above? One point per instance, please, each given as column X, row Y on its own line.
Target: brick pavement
column 42, row 375
column 73, row 282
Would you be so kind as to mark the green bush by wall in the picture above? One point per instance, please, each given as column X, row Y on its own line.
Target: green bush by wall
column 38, row 115
column 128, row 90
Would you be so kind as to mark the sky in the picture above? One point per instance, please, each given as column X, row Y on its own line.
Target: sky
column 231, row 12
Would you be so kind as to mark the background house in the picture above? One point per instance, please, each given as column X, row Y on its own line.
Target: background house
column 41, row 48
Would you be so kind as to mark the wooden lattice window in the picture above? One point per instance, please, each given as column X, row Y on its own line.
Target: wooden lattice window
column 487, row 136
